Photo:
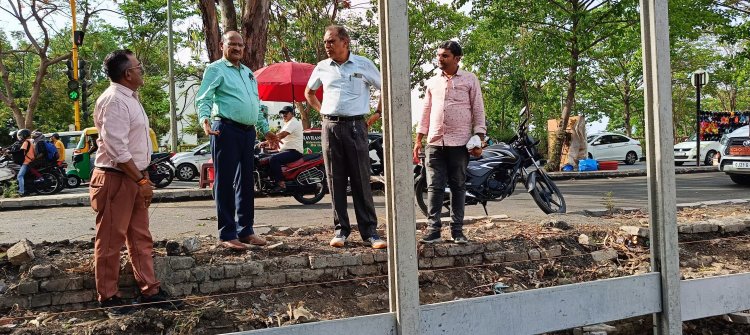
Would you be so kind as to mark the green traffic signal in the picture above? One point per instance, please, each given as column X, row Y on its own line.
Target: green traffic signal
column 73, row 95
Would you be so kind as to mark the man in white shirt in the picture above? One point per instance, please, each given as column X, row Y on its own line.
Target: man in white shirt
column 290, row 136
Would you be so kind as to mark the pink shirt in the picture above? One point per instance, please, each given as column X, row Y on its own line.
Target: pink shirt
column 453, row 109
column 123, row 128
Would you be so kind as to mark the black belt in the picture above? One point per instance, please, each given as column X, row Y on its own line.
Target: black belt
column 235, row 124
column 109, row 169
column 343, row 118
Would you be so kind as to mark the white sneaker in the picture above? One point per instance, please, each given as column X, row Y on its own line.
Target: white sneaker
column 338, row 241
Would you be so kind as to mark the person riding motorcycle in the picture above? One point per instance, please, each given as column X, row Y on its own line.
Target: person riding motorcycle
column 27, row 147
column 290, row 148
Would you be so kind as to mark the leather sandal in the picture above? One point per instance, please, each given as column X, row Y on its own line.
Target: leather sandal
column 235, row 245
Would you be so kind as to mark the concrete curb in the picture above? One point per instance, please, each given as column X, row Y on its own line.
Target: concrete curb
column 77, row 200
column 628, row 173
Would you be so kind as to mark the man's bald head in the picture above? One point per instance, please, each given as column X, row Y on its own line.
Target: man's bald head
column 226, row 36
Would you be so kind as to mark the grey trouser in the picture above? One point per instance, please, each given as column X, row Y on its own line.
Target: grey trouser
column 347, row 159
column 446, row 165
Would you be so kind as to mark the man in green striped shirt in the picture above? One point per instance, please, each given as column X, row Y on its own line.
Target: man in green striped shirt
column 229, row 111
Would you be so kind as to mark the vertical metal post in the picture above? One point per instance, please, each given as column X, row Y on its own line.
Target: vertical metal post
column 660, row 163
column 698, row 80
column 74, row 59
column 395, row 95
column 172, row 112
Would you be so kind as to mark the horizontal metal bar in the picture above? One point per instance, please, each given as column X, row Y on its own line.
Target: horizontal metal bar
column 712, row 296
column 376, row 324
column 548, row 309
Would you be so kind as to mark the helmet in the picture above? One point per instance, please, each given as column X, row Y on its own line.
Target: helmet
column 37, row 135
column 23, row 134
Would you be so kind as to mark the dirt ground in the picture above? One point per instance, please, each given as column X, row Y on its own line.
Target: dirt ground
column 701, row 255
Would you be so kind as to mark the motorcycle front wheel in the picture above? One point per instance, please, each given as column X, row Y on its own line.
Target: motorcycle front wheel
column 546, row 194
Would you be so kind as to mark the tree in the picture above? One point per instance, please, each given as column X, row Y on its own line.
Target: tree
column 33, row 16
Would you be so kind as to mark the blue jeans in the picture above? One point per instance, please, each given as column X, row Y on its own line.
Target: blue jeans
column 277, row 160
column 233, row 155
column 20, row 177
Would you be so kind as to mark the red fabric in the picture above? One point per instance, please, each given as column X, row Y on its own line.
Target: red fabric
column 277, row 82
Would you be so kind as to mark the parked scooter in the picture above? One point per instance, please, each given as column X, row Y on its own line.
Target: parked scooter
column 52, row 180
column 161, row 170
column 305, row 178
column 494, row 176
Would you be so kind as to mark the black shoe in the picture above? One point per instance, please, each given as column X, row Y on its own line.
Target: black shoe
column 115, row 306
column 159, row 300
column 459, row 238
column 431, row 236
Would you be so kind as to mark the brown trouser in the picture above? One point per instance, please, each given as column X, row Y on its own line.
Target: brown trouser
column 121, row 217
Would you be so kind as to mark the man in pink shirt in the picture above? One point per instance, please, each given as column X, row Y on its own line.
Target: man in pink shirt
column 452, row 113
column 120, row 190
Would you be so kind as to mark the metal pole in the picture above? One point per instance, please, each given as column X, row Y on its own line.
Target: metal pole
column 74, row 59
column 660, row 163
column 396, row 103
column 172, row 111
column 698, row 80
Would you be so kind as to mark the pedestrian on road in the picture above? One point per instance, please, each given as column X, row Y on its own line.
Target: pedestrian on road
column 120, row 190
column 60, row 148
column 453, row 111
column 346, row 80
column 229, row 91
column 290, row 136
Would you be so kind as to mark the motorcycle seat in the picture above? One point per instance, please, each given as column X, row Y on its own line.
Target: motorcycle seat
column 293, row 165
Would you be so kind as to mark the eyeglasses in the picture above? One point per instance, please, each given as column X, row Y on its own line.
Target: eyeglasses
column 139, row 67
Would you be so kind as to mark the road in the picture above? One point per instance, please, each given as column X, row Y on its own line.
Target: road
column 173, row 220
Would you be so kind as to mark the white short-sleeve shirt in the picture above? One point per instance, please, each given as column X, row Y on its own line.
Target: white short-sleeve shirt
column 293, row 141
column 346, row 87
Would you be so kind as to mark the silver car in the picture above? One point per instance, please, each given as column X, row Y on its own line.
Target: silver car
column 188, row 163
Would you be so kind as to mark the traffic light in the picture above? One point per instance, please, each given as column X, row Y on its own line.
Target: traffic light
column 82, row 69
column 73, row 92
column 85, row 93
column 69, row 72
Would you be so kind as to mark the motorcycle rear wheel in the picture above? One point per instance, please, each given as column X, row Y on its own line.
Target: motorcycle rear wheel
column 311, row 198
column 50, row 185
column 547, row 196
column 163, row 168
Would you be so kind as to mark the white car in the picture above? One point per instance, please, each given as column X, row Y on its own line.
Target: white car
column 685, row 152
column 188, row 164
column 735, row 155
column 613, row 147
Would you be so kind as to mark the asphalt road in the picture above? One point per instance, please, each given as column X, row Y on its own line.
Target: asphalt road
column 174, row 220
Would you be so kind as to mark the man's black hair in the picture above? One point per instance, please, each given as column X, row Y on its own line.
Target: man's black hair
column 453, row 46
column 116, row 63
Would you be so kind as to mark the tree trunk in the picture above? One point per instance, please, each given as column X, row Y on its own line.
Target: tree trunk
column 304, row 114
column 210, row 28
column 628, row 111
column 255, row 32
column 554, row 160
column 228, row 15
column 36, row 90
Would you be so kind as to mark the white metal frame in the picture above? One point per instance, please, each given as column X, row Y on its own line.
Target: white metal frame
column 659, row 292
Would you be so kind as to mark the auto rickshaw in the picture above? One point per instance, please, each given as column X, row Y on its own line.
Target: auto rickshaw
column 84, row 154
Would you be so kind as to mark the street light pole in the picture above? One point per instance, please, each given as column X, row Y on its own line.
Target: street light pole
column 172, row 112
column 698, row 79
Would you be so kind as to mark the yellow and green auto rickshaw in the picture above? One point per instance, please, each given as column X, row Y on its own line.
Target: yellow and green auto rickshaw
column 83, row 156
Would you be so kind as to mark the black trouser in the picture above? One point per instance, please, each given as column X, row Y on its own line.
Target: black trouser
column 277, row 160
column 446, row 165
column 347, row 160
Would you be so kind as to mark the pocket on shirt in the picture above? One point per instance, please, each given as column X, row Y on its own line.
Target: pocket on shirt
column 356, row 85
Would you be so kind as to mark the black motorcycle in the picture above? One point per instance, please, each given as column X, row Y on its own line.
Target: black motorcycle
column 51, row 181
column 494, row 176
column 161, row 169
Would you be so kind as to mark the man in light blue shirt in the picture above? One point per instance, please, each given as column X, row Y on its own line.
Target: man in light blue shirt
column 229, row 95
column 346, row 80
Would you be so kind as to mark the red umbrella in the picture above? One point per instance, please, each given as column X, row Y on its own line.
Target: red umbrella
column 284, row 82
